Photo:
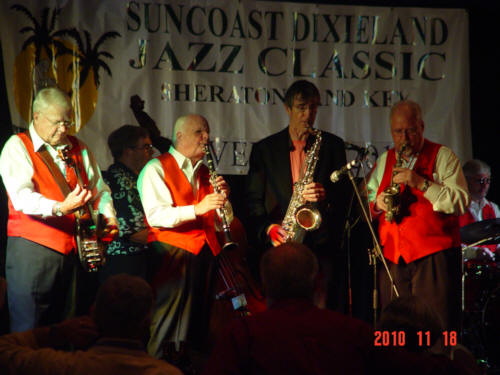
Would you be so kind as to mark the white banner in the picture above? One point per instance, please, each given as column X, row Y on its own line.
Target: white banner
column 231, row 61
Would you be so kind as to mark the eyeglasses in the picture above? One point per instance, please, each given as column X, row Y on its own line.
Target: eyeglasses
column 144, row 147
column 65, row 123
column 483, row 181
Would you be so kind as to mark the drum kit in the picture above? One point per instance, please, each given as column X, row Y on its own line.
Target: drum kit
column 481, row 289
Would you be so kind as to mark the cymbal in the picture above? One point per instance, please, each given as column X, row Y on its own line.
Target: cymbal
column 480, row 230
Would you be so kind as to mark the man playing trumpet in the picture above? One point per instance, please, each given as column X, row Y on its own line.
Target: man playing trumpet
column 422, row 242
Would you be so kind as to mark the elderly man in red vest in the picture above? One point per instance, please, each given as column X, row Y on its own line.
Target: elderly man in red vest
column 179, row 203
column 422, row 242
column 478, row 175
column 41, row 227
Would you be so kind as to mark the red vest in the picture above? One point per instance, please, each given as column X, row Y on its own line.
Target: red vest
column 190, row 236
column 57, row 233
column 420, row 231
column 488, row 213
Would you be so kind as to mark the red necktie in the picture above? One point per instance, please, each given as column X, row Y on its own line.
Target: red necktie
column 71, row 178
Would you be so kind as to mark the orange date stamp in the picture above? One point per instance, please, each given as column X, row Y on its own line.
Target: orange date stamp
column 399, row 339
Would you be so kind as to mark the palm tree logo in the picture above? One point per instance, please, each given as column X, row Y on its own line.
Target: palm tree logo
column 44, row 38
column 89, row 57
column 48, row 58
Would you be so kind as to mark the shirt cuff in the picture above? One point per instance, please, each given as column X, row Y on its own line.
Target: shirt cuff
column 432, row 192
column 186, row 213
column 47, row 207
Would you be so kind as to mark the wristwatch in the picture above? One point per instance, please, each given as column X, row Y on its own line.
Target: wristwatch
column 426, row 186
column 58, row 211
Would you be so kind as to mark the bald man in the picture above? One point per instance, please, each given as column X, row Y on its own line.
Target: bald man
column 422, row 242
column 179, row 203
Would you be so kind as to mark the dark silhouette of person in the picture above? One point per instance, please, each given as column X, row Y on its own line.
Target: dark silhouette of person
column 116, row 332
column 161, row 143
column 293, row 336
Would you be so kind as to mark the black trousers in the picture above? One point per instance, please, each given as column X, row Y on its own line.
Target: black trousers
column 182, row 283
column 39, row 284
column 435, row 278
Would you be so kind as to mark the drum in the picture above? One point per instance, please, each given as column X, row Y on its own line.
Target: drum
column 481, row 277
column 491, row 326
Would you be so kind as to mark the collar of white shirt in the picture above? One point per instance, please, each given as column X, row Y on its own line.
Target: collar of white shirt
column 39, row 142
column 183, row 162
column 477, row 207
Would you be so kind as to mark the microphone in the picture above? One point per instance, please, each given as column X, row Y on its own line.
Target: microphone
column 335, row 176
column 352, row 146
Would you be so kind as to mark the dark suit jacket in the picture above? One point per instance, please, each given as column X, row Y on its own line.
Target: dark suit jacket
column 269, row 187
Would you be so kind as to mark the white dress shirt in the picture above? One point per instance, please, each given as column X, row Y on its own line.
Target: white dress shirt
column 476, row 209
column 448, row 193
column 16, row 169
column 156, row 197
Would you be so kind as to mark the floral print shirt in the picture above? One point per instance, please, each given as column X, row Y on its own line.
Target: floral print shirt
column 123, row 184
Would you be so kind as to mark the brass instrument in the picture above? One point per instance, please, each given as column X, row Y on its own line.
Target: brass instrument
column 89, row 224
column 228, row 242
column 301, row 216
column 392, row 192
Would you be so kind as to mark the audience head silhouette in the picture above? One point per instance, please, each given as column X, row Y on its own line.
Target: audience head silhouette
column 289, row 271
column 411, row 315
column 123, row 307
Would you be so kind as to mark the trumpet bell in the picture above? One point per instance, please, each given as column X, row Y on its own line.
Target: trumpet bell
column 308, row 217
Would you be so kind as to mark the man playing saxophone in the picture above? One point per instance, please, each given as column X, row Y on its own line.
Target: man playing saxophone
column 279, row 165
column 422, row 240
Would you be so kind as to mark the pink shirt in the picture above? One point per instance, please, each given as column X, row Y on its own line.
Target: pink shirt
column 297, row 156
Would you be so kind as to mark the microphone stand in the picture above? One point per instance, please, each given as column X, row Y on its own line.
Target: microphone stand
column 346, row 241
column 377, row 251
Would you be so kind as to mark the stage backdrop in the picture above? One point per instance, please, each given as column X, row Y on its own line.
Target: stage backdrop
column 232, row 61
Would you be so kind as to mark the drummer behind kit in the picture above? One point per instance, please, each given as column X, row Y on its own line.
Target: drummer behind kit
column 485, row 232
column 481, row 289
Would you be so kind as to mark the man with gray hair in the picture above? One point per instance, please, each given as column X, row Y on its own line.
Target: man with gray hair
column 478, row 175
column 41, row 228
column 112, row 341
column 180, row 203
column 421, row 239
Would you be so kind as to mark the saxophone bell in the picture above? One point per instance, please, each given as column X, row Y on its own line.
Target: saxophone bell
column 308, row 217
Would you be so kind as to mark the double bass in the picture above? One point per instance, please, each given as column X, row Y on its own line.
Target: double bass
column 237, row 293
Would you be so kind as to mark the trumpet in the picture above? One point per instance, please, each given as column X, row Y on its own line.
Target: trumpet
column 226, row 231
column 392, row 197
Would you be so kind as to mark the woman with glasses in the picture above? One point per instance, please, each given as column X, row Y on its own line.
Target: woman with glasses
column 131, row 149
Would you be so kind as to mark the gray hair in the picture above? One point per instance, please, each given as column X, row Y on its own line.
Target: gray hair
column 49, row 96
column 178, row 127
column 476, row 166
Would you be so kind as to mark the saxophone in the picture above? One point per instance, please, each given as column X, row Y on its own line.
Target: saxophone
column 301, row 216
column 392, row 196
column 226, row 230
